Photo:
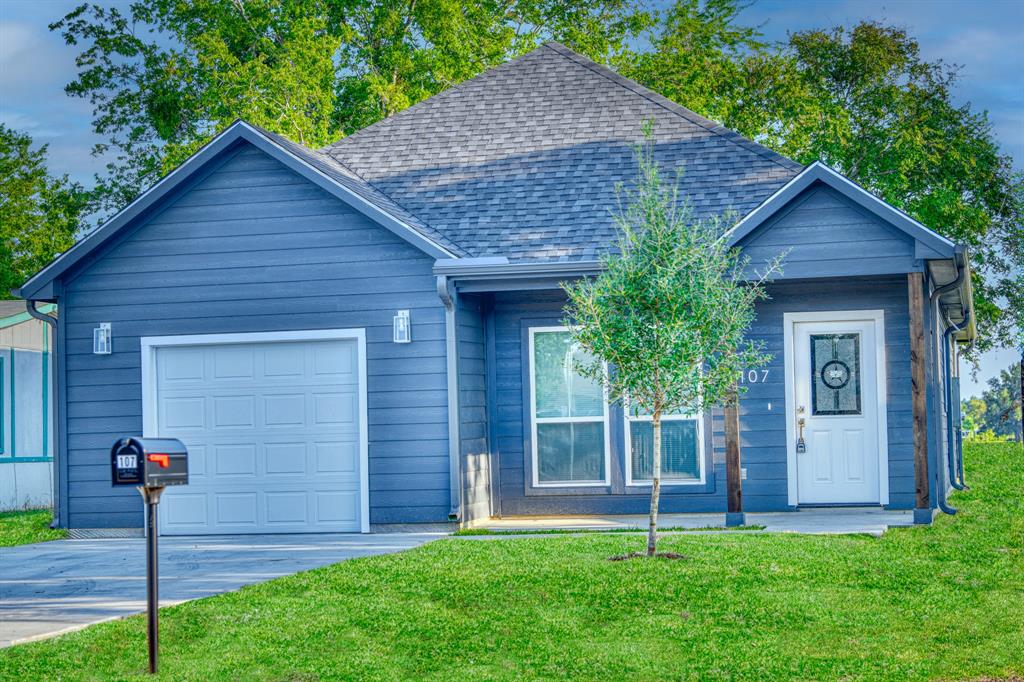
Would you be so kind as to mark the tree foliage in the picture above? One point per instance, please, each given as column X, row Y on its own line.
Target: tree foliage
column 997, row 412
column 668, row 312
column 39, row 214
column 164, row 76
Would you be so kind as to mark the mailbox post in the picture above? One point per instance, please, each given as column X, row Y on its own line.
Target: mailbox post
column 150, row 464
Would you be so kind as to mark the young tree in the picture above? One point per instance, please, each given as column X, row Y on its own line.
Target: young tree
column 668, row 312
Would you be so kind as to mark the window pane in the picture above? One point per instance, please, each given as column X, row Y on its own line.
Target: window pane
column 679, row 451
column 835, row 373
column 587, row 395
column 559, row 390
column 570, row 452
column 549, row 377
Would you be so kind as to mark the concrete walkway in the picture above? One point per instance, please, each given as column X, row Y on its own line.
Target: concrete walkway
column 55, row 587
column 836, row 520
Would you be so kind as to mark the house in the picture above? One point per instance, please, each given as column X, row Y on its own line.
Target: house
column 26, row 429
column 371, row 334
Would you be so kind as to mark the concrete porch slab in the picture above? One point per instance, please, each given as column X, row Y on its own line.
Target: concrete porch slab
column 830, row 521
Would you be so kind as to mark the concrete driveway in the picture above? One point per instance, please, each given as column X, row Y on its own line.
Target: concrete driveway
column 55, row 587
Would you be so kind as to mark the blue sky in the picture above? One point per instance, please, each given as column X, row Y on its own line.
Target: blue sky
column 984, row 37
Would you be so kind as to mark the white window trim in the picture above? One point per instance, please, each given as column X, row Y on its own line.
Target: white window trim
column 149, row 345
column 534, row 420
column 630, row 481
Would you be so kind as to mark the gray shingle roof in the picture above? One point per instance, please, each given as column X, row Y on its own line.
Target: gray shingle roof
column 337, row 171
column 522, row 161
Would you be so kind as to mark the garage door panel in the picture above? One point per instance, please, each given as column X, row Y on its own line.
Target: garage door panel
column 183, row 510
column 338, row 457
column 187, row 412
column 337, row 506
column 284, row 409
column 236, row 510
column 233, row 411
column 235, row 460
column 233, row 362
column 273, row 436
column 286, row 459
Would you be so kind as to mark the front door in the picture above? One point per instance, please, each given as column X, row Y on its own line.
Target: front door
column 836, row 424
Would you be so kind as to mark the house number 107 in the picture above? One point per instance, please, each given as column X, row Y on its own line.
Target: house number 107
column 754, row 376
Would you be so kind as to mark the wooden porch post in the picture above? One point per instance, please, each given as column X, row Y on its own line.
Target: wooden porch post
column 922, row 506
column 733, row 474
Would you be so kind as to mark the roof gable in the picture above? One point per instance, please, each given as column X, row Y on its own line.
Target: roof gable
column 315, row 167
column 523, row 160
column 929, row 244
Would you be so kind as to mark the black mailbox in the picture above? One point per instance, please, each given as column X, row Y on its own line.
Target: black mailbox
column 149, row 462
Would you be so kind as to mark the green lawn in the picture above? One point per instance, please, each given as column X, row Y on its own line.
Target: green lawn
column 944, row 602
column 26, row 527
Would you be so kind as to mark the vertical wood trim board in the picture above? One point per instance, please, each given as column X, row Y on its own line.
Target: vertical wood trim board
column 734, row 485
column 915, row 288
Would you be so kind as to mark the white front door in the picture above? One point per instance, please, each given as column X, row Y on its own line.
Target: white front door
column 835, row 411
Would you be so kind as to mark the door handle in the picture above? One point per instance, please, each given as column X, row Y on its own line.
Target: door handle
column 801, row 445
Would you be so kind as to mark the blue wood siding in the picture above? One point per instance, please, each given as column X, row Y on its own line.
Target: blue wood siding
column 762, row 430
column 823, row 234
column 473, row 426
column 253, row 247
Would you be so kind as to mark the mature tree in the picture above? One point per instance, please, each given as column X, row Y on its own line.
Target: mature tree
column 39, row 214
column 886, row 118
column 664, row 321
column 164, row 76
column 865, row 102
column 998, row 410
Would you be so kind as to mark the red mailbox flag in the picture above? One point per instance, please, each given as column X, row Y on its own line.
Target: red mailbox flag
column 163, row 460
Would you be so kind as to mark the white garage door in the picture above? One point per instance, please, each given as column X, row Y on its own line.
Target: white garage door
column 272, row 431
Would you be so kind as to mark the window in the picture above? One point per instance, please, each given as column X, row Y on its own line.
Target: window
column 682, row 447
column 835, row 374
column 569, row 414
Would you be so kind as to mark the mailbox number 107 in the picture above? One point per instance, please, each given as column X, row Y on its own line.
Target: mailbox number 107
column 126, row 462
column 754, row 376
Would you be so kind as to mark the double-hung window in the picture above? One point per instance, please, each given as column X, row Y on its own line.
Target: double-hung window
column 682, row 448
column 569, row 413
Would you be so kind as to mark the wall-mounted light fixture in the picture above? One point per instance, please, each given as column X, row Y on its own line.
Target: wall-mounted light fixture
column 402, row 327
column 102, row 341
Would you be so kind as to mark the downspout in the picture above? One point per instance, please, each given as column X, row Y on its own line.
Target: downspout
column 940, row 487
column 955, row 477
column 960, row 439
column 30, row 305
column 449, row 299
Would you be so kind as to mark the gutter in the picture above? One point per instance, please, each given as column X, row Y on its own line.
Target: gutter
column 449, row 299
column 468, row 269
column 55, row 356
column 961, row 274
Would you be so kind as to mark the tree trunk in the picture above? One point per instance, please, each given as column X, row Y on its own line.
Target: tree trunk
column 652, row 533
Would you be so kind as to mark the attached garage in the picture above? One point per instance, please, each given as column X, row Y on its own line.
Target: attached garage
column 275, row 426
